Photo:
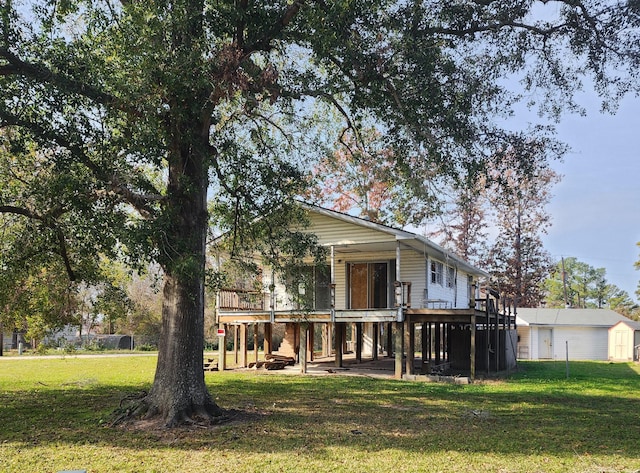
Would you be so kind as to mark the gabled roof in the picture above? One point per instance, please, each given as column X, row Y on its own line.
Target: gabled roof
column 406, row 238
column 632, row 324
column 569, row 317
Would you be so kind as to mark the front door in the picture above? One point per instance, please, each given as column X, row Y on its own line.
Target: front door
column 368, row 285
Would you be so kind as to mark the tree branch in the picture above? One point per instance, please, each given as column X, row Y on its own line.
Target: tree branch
column 41, row 73
column 264, row 43
column 141, row 202
column 48, row 222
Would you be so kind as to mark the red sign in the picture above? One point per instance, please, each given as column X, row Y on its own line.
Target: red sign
column 221, row 332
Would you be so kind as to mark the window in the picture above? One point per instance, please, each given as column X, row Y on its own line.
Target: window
column 436, row 272
column 451, row 277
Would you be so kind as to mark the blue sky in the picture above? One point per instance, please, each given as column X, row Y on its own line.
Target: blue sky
column 596, row 206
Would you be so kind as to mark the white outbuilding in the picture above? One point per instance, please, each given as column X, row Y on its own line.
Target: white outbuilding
column 624, row 341
column 554, row 334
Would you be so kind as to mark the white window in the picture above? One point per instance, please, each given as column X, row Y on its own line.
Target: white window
column 451, row 277
column 436, row 272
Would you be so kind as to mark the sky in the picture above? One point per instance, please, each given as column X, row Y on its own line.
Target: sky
column 596, row 206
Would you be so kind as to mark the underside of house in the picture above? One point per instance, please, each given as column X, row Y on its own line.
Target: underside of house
column 383, row 292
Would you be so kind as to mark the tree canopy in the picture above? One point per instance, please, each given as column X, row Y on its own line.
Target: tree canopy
column 138, row 111
column 574, row 283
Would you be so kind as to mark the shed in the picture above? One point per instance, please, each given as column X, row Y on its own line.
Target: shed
column 624, row 341
column 550, row 334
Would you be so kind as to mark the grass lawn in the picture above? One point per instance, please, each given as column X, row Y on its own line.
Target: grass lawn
column 54, row 416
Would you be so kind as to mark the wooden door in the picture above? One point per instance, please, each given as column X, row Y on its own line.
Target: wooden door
column 358, row 285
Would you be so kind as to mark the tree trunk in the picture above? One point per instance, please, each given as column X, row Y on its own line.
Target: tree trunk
column 179, row 392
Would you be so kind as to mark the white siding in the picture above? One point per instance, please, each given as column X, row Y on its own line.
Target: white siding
column 331, row 231
column 456, row 296
column 584, row 343
column 524, row 343
column 412, row 269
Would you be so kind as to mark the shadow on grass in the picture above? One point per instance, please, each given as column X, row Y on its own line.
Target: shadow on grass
column 535, row 412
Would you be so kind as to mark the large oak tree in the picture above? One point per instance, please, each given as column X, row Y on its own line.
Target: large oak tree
column 142, row 108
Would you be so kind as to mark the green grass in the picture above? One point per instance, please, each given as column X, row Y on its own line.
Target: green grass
column 54, row 413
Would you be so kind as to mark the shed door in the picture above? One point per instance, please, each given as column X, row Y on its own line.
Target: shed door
column 545, row 347
column 620, row 345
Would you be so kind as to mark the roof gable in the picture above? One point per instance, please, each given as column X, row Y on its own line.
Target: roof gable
column 632, row 324
column 336, row 228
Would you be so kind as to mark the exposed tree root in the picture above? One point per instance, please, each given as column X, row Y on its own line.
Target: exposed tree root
column 140, row 406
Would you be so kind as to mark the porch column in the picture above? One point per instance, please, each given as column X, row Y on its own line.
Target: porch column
column 338, row 340
column 398, row 338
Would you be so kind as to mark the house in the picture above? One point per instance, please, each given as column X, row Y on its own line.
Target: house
column 624, row 341
column 382, row 292
column 550, row 334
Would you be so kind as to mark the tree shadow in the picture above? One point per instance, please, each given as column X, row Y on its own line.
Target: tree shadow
column 531, row 414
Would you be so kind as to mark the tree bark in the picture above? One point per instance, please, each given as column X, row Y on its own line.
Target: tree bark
column 179, row 393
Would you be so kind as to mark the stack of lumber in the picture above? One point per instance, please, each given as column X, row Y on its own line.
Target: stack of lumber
column 274, row 362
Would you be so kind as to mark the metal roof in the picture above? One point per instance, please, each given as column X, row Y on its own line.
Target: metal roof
column 569, row 317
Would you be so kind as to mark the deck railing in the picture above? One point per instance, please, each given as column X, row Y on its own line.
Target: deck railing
column 240, row 299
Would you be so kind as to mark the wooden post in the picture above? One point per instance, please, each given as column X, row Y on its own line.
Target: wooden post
column 255, row 343
column 359, row 342
column 222, row 350
column 302, row 350
column 472, row 355
column 268, row 345
column 235, row 344
column 488, row 333
column 438, row 345
column 338, row 346
column 497, row 341
column 327, row 342
column 398, row 338
column 376, row 341
column 311, row 341
column 243, row 345
column 424, row 342
column 409, row 342
column 389, row 339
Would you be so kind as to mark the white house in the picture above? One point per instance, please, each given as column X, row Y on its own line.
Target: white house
column 551, row 334
column 386, row 283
